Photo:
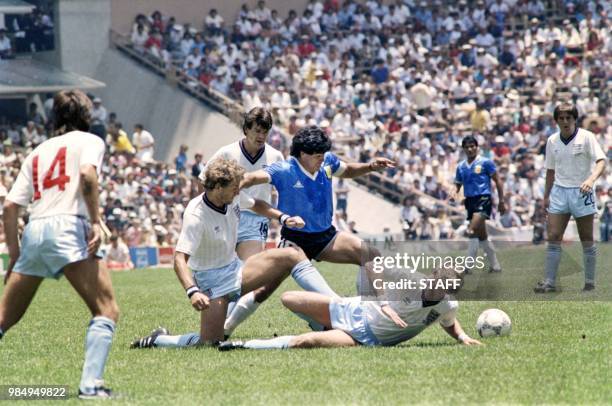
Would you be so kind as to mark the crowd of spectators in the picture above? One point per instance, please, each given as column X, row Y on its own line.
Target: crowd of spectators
column 407, row 80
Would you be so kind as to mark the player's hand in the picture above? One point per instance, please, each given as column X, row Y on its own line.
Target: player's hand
column 381, row 163
column 501, row 207
column 546, row 203
column 471, row 341
column 392, row 314
column 586, row 187
column 200, row 301
column 95, row 239
column 295, row 222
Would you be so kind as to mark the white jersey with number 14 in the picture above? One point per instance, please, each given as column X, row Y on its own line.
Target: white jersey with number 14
column 49, row 180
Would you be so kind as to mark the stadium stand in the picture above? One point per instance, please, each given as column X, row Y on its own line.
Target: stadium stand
column 405, row 80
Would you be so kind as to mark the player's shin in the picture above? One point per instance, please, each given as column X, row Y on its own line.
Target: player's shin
column 185, row 340
column 97, row 346
column 272, row 344
column 488, row 248
column 553, row 257
column 243, row 309
column 589, row 256
column 473, row 248
column 309, row 279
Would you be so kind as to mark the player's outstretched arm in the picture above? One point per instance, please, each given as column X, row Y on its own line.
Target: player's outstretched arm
column 355, row 169
column 10, row 217
column 254, row 178
column 456, row 331
column 264, row 209
column 199, row 300
column 89, row 188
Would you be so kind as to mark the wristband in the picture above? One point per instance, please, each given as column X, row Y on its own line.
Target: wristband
column 192, row 290
column 283, row 218
column 462, row 337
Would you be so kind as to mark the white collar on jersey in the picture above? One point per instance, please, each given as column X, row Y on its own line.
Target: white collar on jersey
column 473, row 162
column 310, row 175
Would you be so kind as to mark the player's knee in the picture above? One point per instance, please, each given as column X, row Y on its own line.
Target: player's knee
column 289, row 299
column 304, row 341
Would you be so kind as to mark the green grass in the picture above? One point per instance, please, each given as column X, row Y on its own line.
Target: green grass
column 558, row 352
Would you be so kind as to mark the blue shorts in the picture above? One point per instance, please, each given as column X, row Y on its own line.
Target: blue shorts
column 346, row 314
column 219, row 282
column 480, row 204
column 252, row 227
column 49, row 244
column 565, row 200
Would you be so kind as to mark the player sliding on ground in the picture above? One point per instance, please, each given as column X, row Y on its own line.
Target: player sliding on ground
column 569, row 191
column 474, row 174
column 304, row 185
column 206, row 246
column 59, row 180
column 355, row 321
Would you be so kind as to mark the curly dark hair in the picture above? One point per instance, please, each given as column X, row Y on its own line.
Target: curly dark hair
column 565, row 107
column 310, row 140
column 468, row 139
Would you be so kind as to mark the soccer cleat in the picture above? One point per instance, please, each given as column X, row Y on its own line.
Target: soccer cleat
column 99, row 393
column 544, row 287
column 149, row 341
column 230, row 345
column 588, row 287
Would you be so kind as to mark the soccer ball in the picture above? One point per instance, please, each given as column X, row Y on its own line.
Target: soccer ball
column 493, row 322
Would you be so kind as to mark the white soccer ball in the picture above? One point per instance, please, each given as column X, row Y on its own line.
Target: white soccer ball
column 493, row 322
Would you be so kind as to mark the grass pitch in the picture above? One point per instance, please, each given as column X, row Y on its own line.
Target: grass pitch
column 558, row 352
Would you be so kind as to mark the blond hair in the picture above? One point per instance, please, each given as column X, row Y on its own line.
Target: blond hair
column 222, row 172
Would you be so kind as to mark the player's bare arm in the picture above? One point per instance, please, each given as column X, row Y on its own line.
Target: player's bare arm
column 456, row 331
column 199, row 300
column 254, row 178
column 381, row 296
column 10, row 216
column 355, row 169
column 550, row 179
column 89, row 188
column 587, row 185
column 264, row 209
column 500, row 193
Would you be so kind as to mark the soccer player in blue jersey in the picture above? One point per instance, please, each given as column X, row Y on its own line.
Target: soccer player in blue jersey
column 304, row 185
column 474, row 174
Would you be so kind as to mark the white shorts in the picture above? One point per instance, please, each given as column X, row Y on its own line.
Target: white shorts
column 50, row 243
column 346, row 314
column 219, row 282
column 252, row 227
column 565, row 200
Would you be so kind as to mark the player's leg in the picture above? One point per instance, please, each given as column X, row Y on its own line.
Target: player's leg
column 95, row 288
column 556, row 225
column 486, row 246
column 247, row 304
column 267, row 269
column 212, row 320
column 315, row 339
column 589, row 249
column 347, row 248
column 475, row 234
column 17, row 296
column 309, row 305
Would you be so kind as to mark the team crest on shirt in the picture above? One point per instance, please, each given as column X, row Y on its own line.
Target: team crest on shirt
column 237, row 211
column 217, row 229
column 328, row 171
column 477, row 169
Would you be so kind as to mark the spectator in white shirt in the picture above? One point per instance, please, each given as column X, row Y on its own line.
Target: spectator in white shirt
column 143, row 141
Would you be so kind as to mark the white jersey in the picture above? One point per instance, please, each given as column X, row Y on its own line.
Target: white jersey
column 265, row 157
column 572, row 161
column 411, row 308
column 209, row 233
column 50, row 176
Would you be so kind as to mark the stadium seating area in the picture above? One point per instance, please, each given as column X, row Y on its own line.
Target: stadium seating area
column 26, row 33
column 407, row 80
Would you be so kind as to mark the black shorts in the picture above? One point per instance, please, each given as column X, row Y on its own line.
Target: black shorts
column 311, row 243
column 480, row 204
